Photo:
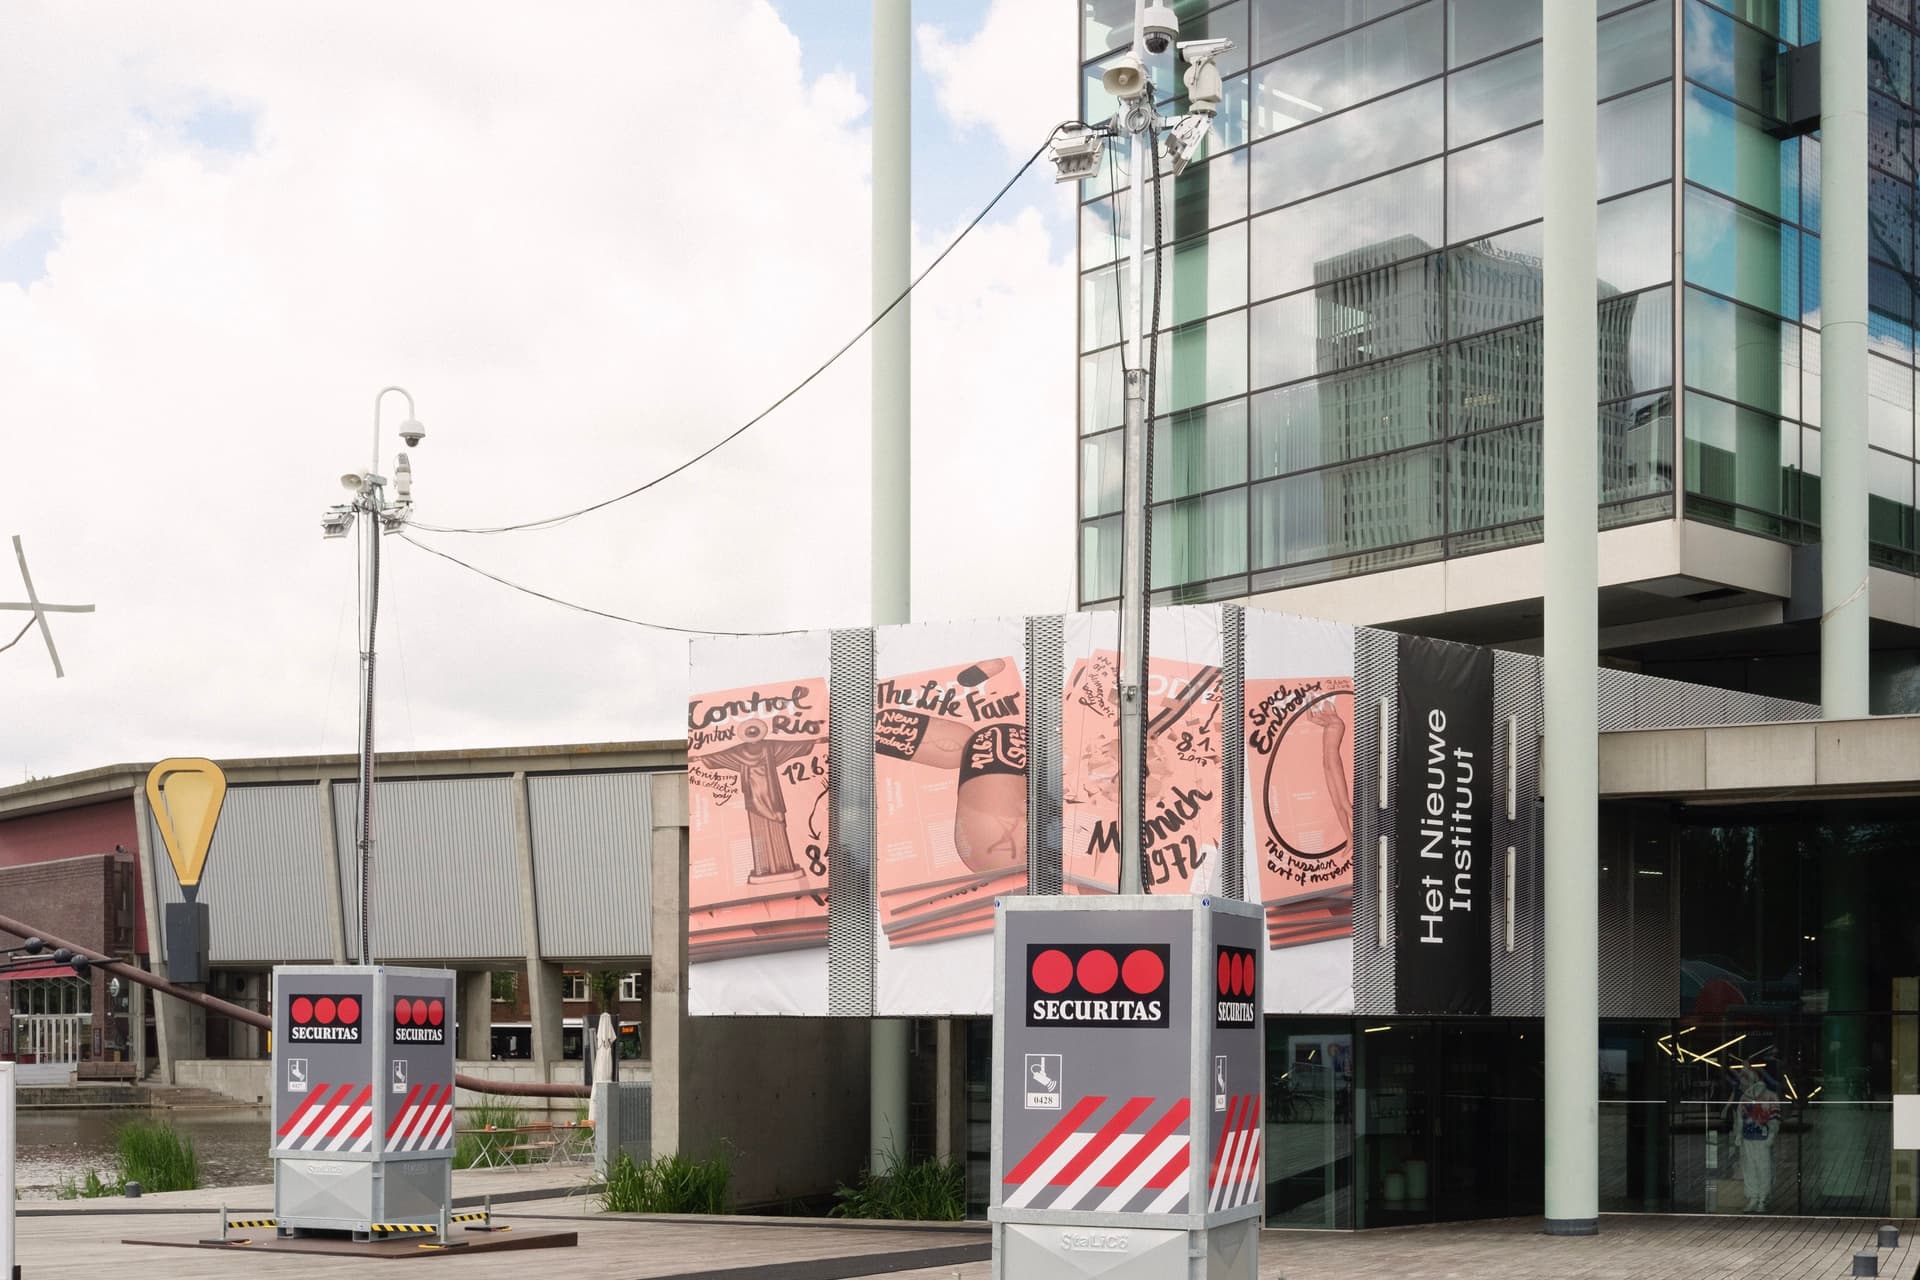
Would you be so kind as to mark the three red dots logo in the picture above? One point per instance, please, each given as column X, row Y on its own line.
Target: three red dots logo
column 417, row 1020
column 1234, row 975
column 1094, row 985
column 324, row 1019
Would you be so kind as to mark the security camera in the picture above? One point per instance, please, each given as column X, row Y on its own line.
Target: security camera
column 1199, row 51
column 412, row 433
column 1162, row 28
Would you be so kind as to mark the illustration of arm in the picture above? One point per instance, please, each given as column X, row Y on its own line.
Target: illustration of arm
column 1333, row 762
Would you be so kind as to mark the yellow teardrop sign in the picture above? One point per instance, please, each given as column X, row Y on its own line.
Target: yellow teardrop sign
column 186, row 795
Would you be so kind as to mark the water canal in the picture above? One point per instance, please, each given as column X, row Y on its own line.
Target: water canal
column 59, row 1146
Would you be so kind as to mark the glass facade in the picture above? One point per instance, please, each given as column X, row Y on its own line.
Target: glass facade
column 1774, row 942
column 1349, row 339
column 1349, row 344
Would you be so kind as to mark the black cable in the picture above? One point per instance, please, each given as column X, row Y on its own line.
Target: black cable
column 581, row 608
column 554, row 521
column 19, row 637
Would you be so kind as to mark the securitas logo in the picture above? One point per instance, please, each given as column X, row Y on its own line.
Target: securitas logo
column 1091, row 985
column 331, row 1019
column 417, row 1021
column 1233, row 979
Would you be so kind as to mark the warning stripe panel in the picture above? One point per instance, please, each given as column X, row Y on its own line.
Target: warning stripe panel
column 1175, row 1117
column 404, row 1112
column 1226, row 1134
column 1102, row 1141
column 1055, row 1136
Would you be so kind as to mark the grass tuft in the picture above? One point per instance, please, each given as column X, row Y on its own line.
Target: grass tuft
column 668, row 1184
column 920, row 1191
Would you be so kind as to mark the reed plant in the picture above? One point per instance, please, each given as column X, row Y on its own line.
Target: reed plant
column 914, row 1191
column 668, row 1184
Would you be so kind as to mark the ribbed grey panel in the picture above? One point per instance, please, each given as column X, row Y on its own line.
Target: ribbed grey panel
column 265, row 880
column 1376, row 669
column 446, row 884
column 1516, row 973
column 1046, row 684
column 850, row 887
column 593, row 864
column 1233, row 748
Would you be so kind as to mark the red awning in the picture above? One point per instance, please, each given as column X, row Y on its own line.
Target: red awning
column 51, row 971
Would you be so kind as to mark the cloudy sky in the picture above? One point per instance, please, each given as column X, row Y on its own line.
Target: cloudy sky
column 589, row 242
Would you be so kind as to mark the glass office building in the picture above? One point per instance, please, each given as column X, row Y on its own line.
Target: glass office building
column 1349, row 357
column 1349, row 346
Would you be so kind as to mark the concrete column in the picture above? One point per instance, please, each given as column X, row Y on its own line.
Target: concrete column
column 950, row 1090
column 544, row 1009
column 476, row 1016
column 330, row 876
column 1571, row 640
column 137, row 1028
column 892, row 417
column 1843, row 359
column 667, row 1007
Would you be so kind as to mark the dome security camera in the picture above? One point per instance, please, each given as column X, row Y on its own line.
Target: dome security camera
column 1162, row 28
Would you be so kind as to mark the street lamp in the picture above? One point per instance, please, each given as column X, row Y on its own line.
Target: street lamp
column 1076, row 153
column 369, row 490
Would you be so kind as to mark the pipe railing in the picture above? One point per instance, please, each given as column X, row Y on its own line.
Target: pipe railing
column 254, row 1018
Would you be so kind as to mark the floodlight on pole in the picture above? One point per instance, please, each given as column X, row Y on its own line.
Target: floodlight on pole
column 1076, row 149
column 370, row 499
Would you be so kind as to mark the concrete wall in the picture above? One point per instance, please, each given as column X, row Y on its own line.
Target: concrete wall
column 241, row 1080
column 789, row 1095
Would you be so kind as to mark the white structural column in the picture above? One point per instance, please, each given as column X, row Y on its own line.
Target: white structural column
column 892, row 416
column 1571, row 774
column 1843, row 359
column 7, row 1104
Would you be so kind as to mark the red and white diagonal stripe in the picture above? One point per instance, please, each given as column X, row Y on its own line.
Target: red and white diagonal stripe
column 1236, row 1175
column 1113, row 1166
column 424, row 1122
column 333, row 1118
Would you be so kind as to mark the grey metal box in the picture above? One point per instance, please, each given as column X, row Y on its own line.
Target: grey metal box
column 363, row 1096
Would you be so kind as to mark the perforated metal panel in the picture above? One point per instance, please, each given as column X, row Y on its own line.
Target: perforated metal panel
column 1046, row 683
column 1629, row 700
column 850, row 886
column 1376, row 670
column 1517, row 973
column 1233, row 748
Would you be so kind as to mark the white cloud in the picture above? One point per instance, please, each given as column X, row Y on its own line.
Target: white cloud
column 585, row 262
column 1012, row 77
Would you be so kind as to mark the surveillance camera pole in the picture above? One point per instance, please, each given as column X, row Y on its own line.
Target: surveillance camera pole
column 370, row 501
column 1137, row 118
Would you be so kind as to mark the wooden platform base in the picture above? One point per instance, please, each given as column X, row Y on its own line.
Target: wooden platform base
column 398, row 1250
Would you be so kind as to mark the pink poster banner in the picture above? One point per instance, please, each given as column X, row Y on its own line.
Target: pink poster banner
column 950, row 797
column 1300, row 767
column 1183, row 806
column 757, row 819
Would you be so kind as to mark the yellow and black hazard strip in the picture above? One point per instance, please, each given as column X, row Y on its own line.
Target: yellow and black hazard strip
column 469, row 1217
column 252, row 1222
column 404, row 1228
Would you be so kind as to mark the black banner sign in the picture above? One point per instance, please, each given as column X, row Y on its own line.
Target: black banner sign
column 314, row 1019
column 1443, row 829
column 1097, row 985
